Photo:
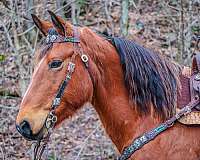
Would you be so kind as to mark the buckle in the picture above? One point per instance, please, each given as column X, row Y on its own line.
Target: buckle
column 187, row 110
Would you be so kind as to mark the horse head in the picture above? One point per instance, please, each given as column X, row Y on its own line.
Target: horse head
column 51, row 69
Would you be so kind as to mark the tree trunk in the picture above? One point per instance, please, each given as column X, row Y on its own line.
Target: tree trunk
column 59, row 4
column 124, row 21
column 74, row 13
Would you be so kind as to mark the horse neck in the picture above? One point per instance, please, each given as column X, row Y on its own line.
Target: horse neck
column 111, row 100
column 117, row 114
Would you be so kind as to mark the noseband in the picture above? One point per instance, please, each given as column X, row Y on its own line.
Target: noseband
column 54, row 37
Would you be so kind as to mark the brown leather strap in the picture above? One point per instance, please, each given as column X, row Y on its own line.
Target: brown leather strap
column 147, row 137
column 196, row 64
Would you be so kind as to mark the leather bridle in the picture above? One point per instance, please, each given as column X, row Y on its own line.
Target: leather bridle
column 54, row 37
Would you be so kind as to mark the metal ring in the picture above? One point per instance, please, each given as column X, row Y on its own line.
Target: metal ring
column 84, row 58
column 48, row 124
column 54, row 119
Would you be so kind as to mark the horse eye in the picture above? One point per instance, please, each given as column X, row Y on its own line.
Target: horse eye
column 55, row 64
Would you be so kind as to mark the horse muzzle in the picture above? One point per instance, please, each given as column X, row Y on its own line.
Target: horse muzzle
column 25, row 130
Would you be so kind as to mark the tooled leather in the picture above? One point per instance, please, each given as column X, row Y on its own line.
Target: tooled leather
column 184, row 97
column 196, row 64
column 189, row 85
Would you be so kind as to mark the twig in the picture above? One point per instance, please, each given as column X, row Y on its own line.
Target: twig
column 124, row 21
column 26, row 31
column 8, row 36
column 85, row 141
column 132, row 2
column 182, row 31
column 28, row 43
column 6, row 107
column 34, row 7
column 74, row 13
column 36, row 39
column 109, row 17
column 17, row 14
column 3, row 156
column 69, row 3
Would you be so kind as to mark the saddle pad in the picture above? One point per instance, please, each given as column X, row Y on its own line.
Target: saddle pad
column 183, row 99
column 191, row 118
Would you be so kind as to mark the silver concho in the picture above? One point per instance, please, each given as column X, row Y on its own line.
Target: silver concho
column 56, row 101
column 71, row 67
column 51, row 38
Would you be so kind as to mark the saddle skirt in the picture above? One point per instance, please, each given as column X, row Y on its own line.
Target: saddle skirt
column 190, row 87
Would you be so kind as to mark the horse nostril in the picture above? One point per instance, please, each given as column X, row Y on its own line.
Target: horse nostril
column 24, row 128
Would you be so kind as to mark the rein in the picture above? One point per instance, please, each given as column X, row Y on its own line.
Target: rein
column 54, row 37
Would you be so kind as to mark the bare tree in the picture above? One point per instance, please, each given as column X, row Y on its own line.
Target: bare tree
column 59, row 4
column 74, row 12
column 124, row 21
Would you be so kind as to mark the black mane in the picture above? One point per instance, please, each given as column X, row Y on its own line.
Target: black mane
column 149, row 78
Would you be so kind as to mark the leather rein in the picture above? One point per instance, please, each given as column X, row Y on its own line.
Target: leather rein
column 54, row 37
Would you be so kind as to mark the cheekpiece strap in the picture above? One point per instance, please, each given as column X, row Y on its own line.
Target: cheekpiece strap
column 54, row 37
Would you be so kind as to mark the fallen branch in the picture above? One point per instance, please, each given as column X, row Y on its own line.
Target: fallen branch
column 85, row 142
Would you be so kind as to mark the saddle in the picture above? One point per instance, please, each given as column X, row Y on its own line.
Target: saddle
column 190, row 88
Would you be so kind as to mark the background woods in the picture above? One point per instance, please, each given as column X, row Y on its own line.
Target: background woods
column 171, row 27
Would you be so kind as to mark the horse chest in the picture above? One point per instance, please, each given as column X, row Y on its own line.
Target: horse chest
column 179, row 143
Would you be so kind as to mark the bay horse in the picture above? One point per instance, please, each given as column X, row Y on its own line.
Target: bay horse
column 131, row 88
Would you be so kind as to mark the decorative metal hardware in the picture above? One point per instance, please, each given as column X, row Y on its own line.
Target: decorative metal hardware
column 197, row 77
column 56, row 101
column 71, row 67
column 84, row 58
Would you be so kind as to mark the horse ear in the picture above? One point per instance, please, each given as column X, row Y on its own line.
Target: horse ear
column 43, row 26
column 58, row 23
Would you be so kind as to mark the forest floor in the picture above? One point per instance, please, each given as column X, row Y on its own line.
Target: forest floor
column 82, row 137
